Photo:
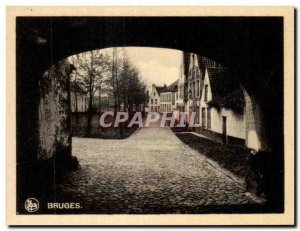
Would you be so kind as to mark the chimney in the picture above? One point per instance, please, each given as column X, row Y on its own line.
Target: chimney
column 153, row 87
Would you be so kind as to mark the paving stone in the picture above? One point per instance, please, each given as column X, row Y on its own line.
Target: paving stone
column 149, row 172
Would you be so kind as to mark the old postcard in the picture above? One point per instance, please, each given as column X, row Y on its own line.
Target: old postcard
column 150, row 116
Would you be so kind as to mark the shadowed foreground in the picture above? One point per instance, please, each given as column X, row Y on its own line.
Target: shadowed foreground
column 150, row 172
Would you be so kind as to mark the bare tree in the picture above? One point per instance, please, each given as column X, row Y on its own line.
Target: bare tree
column 113, row 82
column 77, row 86
column 125, row 81
column 95, row 71
column 92, row 68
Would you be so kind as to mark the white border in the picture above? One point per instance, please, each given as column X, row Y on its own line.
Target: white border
column 4, row 3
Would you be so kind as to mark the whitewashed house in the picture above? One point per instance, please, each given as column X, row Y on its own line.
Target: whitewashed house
column 222, row 108
column 154, row 98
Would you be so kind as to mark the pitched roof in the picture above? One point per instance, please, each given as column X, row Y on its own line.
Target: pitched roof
column 224, row 88
column 207, row 63
column 160, row 89
column 171, row 88
column 217, row 79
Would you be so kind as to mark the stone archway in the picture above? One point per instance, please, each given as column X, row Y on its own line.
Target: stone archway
column 251, row 47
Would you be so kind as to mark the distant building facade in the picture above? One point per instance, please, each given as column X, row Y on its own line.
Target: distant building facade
column 168, row 98
column 154, row 98
column 195, row 85
column 101, row 102
column 181, row 88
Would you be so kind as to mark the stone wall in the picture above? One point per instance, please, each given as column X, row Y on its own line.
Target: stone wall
column 47, row 113
column 54, row 112
column 255, row 134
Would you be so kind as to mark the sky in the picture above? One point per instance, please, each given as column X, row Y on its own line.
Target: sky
column 156, row 65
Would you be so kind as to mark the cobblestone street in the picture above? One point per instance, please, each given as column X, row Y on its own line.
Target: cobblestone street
column 150, row 172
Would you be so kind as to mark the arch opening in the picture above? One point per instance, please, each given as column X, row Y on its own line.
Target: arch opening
column 243, row 63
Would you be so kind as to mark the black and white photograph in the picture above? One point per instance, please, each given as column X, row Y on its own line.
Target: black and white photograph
column 152, row 115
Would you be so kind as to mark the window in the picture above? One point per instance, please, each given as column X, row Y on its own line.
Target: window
column 197, row 110
column 151, row 101
column 208, row 118
column 154, row 93
column 194, row 91
column 205, row 92
column 155, row 101
column 203, row 117
column 198, row 88
column 180, row 92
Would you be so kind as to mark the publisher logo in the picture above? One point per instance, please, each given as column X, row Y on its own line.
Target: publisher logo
column 31, row 205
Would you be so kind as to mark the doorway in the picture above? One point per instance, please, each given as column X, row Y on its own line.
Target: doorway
column 224, row 133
